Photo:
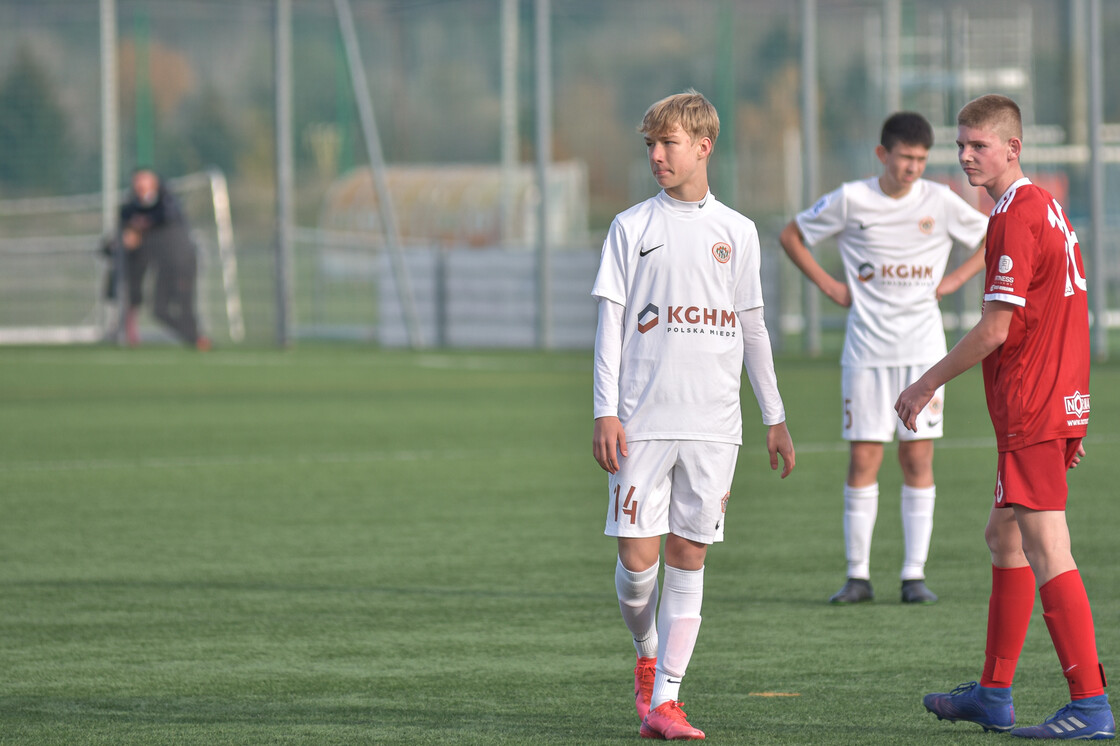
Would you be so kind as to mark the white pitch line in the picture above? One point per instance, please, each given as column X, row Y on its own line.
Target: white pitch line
column 372, row 457
column 841, row 446
column 943, row 444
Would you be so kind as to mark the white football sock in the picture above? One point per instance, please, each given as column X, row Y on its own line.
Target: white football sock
column 861, row 506
column 637, row 599
column 679, row 622
column 917, row 527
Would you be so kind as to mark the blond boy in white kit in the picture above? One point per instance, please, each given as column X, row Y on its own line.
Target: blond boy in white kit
column 680, row 314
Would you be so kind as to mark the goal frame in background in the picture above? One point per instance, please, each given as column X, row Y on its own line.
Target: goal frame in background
column 98, row 320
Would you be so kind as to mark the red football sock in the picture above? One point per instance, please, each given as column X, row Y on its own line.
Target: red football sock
column 1009, row 615
column 1065, row 607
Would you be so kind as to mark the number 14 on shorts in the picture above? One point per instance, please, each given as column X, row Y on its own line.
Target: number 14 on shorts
column 629, row 506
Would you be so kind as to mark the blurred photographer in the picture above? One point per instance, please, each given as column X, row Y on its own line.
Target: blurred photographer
column 154, row 232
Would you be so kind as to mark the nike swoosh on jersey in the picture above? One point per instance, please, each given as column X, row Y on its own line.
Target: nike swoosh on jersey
column 864, row 226
column 643, row 252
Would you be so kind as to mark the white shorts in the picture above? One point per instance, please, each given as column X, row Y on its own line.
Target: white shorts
column 869, row 395
column 672, row 485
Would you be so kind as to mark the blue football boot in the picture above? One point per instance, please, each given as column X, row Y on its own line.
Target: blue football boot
column 988, row 707
column 1087, row 719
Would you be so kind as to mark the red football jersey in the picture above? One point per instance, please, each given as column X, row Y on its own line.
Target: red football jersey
column 1037, row 381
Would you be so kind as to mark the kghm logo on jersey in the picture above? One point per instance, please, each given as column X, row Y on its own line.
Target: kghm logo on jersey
column 648, row 318
column 715, row 322
column 722, row 252
column 697, row 320
column 907, row 272
column 1077, row 406
column 897, row 274
column 925, row 225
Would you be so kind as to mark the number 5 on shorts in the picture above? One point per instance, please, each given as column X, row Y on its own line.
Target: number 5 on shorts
column 629, row 507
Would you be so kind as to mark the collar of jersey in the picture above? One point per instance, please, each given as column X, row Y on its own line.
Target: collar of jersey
column 1018, row 183
column 916, row 190
column 688, row 208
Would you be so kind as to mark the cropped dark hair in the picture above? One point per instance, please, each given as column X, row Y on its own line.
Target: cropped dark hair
column 908, row 128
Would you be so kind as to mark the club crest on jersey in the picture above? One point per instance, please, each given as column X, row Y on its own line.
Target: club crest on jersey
column 648, row 318
column 722, row 252
column 925, row 225
column 1077, row 406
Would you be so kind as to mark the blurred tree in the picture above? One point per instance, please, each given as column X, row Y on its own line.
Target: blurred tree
column 170, row 74
column 321, row 98
column 206, row 135
column 164, row 77
column 35, row 145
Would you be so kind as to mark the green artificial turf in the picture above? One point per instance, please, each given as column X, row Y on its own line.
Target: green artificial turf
column 345, row 545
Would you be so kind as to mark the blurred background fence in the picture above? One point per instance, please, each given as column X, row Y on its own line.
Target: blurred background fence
column 386, row 160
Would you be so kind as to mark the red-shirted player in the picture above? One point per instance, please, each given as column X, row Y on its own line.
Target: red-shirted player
column 1033, row 339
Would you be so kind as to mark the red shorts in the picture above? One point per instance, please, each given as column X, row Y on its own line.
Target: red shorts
column 1035, row 476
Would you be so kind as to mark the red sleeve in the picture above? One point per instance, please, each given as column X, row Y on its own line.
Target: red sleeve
column 1010, row 255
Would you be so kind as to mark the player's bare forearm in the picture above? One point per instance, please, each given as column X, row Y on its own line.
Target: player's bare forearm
column 779, row 443
column 838, row 292
column 608, row 441
column 981, row 341
column 794, row 246
column 948, row 286
column 953, row 281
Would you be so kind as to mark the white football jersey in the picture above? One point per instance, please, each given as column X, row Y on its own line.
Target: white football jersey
column 681, row 270
column 894, row 253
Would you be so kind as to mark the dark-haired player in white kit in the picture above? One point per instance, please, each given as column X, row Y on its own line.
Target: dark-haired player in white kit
column 895, row 233
column 680, row 313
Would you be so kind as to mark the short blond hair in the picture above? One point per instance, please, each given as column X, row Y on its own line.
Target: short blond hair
column 995, row 112
column 694, row 113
